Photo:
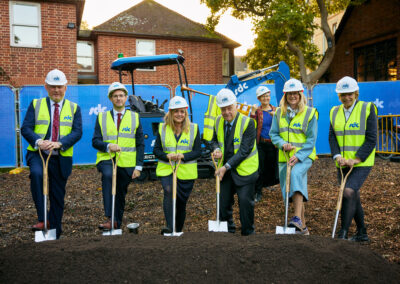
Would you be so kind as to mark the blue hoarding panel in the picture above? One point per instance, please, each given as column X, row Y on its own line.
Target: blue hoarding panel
column 8, row 149
column 92, row 99
column 385, row 95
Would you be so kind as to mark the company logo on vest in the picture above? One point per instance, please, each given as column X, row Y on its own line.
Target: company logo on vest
column 353, row 125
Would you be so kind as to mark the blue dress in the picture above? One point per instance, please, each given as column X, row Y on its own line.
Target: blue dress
column 298, row 176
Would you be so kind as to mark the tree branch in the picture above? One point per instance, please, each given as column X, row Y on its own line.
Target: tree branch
column 300, row 56
column 249, row 10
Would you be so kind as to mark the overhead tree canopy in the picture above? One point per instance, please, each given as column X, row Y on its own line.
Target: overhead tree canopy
column 284, row 29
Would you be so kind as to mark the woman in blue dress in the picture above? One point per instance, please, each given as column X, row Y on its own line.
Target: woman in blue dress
column 294, row 130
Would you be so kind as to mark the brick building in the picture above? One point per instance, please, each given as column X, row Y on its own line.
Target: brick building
column 368, row 43
column 40, row 35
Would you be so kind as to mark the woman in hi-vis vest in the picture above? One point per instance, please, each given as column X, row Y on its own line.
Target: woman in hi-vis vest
column 177, row 139
column 352, row 138
column 294, row 130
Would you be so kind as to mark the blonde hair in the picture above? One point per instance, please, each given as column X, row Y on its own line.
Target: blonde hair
column 169, row 120
column 301, row 106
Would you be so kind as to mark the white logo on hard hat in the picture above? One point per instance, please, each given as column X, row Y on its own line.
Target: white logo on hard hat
column 345, row 86
column 225, row 100
column 56, row 78
column 292, row 85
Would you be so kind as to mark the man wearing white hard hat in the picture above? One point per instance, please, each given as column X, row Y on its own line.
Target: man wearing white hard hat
column 118, row 130
column 352, row 138
column 178, row 140
column 52, row 124
column 267, row 152
column 234, row 142
column 294, row 132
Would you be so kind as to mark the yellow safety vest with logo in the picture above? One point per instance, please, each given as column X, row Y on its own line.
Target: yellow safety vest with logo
column 209, row 118
column 249, row 165
column 350, row 134
column 125, row 137
column 295, row 132
column 187, row 170
column 42, row 121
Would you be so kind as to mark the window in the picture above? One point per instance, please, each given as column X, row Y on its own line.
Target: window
column 85, row 56
column 146, row 48
column 376, row 62
column 225, row 62
column 25, row 30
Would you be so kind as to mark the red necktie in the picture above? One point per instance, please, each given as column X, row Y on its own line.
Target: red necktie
column 56, row 124
column 119, row 119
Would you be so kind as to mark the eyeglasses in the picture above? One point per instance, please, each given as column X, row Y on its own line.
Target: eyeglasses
column 292, row 94
column 118, row 96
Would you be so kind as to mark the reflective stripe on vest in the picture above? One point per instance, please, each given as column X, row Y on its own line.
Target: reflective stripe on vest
column 43, row 118
column 209, row 118
column 187, row 170
column 350, row 134
column 295, row 132
column 249, row 165
column 125, row 137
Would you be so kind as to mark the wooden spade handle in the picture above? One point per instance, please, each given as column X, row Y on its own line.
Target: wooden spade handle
column 342, row 185
column 114, row 172
column 45, row 171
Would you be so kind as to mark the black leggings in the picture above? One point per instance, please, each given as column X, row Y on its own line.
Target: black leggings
column 351, row 208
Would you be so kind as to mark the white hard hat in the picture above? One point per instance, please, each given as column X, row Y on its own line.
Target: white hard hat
column 177, row 102
column 262, row 90
column 56, row 78
column 225, row 97
column 346, row 85
column 293, row 85
column 116, row 86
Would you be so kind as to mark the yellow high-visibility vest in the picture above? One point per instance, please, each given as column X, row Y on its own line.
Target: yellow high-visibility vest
column 209, row 118
column 249, row 165
column 295, row 132
column 350, row 134
column 125, row 137
column 43, row 120
column 187, row 170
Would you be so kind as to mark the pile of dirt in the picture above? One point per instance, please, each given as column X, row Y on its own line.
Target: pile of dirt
column 84, row 255
column 196, row 258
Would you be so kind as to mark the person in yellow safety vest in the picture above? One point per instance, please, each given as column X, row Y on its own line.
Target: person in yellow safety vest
column 234, row 141
column 177, row 139
column 294, row 130
column 51, row 123
column 117, row 130
column 213, row 111
column 352, row 138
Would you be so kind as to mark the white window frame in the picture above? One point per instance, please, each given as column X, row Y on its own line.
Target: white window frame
column 154, row 44
column 12, row 43
column 225, row 62
column 92, row 57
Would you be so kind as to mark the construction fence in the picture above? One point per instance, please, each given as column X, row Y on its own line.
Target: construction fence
column 93, row 99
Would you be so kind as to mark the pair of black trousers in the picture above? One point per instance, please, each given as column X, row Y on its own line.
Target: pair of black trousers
column 183, row 190
column 245, row 195
column 123, row 181
column 56, row 185
column 268, row 165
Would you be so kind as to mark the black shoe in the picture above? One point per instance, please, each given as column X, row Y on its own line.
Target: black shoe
column 342, row 234
column 360, row 236
column 258, row 197
column 166, row 230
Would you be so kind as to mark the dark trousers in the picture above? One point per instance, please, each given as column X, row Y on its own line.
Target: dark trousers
column 183, row 190
column 245, row 195
column 123, row 180
column 268, row 165
column 56, row 185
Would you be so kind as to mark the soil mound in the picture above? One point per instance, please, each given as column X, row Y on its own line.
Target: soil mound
column 195, row 257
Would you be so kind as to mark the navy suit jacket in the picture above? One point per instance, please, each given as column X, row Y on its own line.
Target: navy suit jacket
column 100, row 145
column 27, row 131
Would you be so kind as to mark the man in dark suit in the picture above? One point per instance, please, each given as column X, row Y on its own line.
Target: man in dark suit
column 52, row 124
column 118, row 130
column 235, row 142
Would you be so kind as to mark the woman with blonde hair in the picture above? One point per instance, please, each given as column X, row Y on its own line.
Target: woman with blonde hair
column 177, row 140
column 294, row 130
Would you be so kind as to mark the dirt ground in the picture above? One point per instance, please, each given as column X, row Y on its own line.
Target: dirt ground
column 84, row 255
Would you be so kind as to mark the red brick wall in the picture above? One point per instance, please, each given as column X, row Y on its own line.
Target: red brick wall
column 203, row 61
column 25, row 66
column 372, row 22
